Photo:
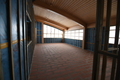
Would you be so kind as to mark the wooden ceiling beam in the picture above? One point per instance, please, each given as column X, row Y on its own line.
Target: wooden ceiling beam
column 76, row 27
column 50, row 22
column 60, row 11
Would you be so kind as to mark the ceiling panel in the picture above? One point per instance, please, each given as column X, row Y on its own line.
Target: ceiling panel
column 51, row 15
column 84, row 10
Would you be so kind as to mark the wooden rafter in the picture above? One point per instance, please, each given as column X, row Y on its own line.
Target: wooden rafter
column 51, row 24
column 50, row 21
column 60, row 11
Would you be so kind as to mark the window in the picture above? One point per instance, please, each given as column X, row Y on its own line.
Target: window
column 51, row 32
column 112, row 35
column 76, row 34
column 28, row 30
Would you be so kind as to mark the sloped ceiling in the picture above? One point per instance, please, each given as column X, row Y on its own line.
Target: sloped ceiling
column 69, row 14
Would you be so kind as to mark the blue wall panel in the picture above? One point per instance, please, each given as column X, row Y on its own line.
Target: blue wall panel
column 6, row 64
column 3, row 39
column 39, row 32
column 77, row 43
column 90, row 39
column 3, row 21
column 6, row 61
column 16, row 62
column 52, row 40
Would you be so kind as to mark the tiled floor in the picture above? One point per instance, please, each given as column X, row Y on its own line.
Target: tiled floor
column 59, row 61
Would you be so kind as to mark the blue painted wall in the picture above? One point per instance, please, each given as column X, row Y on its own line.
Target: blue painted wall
column 6, row 62
column 39, row 32
column 90, row 39
column 77, row 43
column 52, row 40
column 46, row 40
column 4, row 38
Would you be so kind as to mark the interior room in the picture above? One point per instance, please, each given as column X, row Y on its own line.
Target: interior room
column 59, row 40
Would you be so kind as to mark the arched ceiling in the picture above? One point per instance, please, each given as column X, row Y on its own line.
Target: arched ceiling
column 69, row 14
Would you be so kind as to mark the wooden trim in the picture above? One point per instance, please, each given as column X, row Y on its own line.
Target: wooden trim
column 83, row 41
column 35, row 35
column 112, row 22
column 60, row 11
column 51, row 24
column 29, row 43
column 76, row 27
column 39, row 35
column 28, row 16
column 63, row 36
column 5, row 45
column 50, row 21
column 42, row 33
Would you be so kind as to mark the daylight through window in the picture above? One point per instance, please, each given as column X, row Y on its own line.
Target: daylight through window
column 76, row 34
column 112, row 35
column 51, row 32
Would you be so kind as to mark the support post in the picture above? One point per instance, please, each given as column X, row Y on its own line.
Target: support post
column 63, row 36
column 116, row 40
column 99, row 23
column 10, row 38
column 19, row 39
column 83, row 42
column 107, row 28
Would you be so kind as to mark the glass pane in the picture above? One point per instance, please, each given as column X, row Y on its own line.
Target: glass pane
column 76, row 37
column 76, row 34
column 81, row 38
column 112, row 34
column 111, row 40
column 60, row 36
column 48, row 31
column 81, row 34
column 45, row 28
column 81, row 30
column 56, row 30
column 112, row 27
column 72, row 34
column 77, row 31
column 52, row 30
column 61, row 32
column 56, row 35
column 48, row 36
column 45, row 36
column 68, row 32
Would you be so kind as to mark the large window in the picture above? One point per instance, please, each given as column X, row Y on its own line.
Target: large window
column 51, row 32
column 76, row 34
column 112, row 35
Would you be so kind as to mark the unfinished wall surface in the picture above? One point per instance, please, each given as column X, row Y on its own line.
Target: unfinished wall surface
column 77, row 43
column 19, row 65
